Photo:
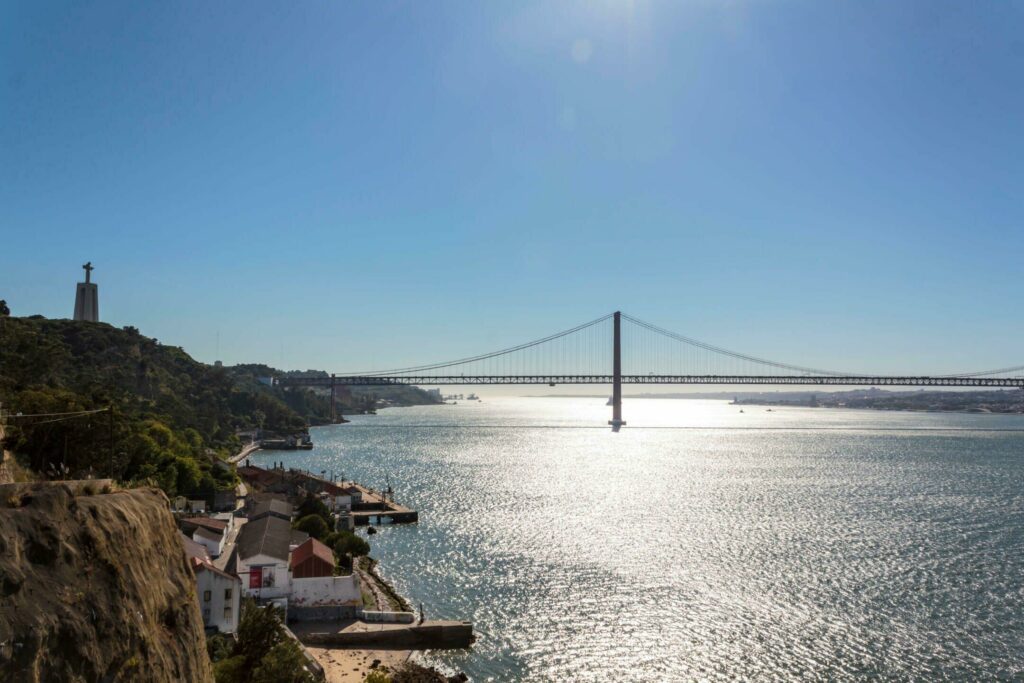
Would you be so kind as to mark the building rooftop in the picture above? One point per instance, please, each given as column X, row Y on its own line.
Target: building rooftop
column 205, row 566
column 268, row 535
column 206, row 522
column 194, row 550
column 209, row 534
column 311, row 548
column 271, row 506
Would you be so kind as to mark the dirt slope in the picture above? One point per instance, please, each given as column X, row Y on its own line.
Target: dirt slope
column 95, row 588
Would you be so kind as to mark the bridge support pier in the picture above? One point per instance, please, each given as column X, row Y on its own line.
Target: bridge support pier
column 334, row 400
column 616, row 421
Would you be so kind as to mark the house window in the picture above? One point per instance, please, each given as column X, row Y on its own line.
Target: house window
column 206, row 615
column 227, row 593
column 206, row 596
column 227, row 613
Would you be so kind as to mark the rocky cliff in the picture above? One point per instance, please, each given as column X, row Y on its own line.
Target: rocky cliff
column 95, row 586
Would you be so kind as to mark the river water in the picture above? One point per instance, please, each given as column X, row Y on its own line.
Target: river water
column 701, row 543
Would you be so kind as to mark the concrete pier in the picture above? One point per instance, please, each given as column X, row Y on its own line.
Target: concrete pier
column 428, row 635
column 375, row 506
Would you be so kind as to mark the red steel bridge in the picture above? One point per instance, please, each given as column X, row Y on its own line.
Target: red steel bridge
column 619, row 349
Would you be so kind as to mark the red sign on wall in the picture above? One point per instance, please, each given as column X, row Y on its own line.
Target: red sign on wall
column 256, row 577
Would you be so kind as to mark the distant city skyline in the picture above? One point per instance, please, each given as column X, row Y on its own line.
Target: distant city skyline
column 344, row 187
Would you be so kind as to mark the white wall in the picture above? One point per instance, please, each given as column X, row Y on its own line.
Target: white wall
column 215, row 548
column 282, row 578
column 213, row 610
column 326, row 590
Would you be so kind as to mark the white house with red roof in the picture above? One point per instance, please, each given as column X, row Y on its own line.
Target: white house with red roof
column 219, row 596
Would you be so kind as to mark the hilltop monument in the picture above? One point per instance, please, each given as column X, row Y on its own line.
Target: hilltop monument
column 87, row 298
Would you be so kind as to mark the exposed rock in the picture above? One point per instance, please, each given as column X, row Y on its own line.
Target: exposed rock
column 95, row 588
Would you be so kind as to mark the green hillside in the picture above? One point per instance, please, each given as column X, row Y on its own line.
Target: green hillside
column 174, row 418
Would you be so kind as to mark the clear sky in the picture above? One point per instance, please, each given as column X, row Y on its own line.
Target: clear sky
column 349, row 184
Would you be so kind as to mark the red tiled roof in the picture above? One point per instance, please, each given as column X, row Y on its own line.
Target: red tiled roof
column 209, row 533
column 309, row 549
column 258, row 475
column 199, row 565
column 207, row 522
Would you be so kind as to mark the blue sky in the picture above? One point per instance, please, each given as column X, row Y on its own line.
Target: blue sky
column 350, row 184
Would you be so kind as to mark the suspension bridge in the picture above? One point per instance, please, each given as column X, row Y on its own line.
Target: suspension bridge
column 619, row 349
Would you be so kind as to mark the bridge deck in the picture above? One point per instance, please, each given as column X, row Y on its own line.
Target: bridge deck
column 828, row 380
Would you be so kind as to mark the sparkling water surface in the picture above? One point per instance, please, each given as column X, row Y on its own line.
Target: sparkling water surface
column 701, row 543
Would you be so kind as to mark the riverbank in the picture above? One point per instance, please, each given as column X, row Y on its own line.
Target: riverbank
column 346, row 665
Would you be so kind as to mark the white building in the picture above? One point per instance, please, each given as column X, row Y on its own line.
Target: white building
column 210, row 539
column 263, row 547
column 219, row 596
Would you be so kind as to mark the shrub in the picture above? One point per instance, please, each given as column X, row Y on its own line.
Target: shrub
column 314, row 525
column 284, row 663
column 259, row 629
column 311, row 505
column 231, row 670
column 347, row 546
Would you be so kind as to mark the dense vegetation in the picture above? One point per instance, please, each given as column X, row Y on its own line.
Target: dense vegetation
column 261, row 654
column 313, row 518
column 171, row 419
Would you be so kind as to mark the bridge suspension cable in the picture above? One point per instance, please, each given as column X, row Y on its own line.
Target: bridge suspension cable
column 985, row 373
column 485, row 356
column 731, row 354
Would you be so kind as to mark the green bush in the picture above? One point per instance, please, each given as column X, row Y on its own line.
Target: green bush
column 231, row 670
column 311, row 505
column 284, row 663
column 347, row 546
column 314, row 525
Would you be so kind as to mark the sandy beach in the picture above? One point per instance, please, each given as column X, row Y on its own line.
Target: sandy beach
column 342, row 665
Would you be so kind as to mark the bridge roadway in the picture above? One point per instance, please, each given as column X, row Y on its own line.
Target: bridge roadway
column 552, row 380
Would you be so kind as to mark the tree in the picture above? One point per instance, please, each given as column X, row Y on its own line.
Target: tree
column 347, row 546
column 4, row 310
column 231, row 670
column 259, row 629
column 311, row 505
column 314, row 525
column 284, row 663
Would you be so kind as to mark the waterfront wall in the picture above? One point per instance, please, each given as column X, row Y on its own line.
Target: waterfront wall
column 429, row 635
column 324, row 591
column 389, row 617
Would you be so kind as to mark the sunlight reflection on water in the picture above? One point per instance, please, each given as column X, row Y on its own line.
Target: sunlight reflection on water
column 701, row 543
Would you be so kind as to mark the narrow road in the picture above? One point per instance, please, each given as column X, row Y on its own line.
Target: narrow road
column 246, row 451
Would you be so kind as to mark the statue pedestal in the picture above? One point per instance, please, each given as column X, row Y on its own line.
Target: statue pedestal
column 87, row 302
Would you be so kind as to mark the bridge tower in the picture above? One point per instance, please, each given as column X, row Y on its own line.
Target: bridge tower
column 616, row 421
column 334, row 400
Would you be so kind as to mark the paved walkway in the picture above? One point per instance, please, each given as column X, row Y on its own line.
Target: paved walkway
column 246, row 451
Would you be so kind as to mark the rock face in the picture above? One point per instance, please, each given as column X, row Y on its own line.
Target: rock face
column 95, row 587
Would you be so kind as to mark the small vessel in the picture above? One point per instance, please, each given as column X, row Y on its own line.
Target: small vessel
column 769, row 410
column 741, row 410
